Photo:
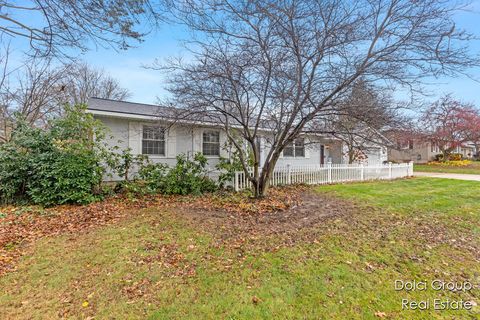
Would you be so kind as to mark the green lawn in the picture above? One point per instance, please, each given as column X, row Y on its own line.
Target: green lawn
column 473, row 168
column 161, row 265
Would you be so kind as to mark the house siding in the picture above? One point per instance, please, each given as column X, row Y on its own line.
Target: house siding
column 125, row 133
column 186, row 139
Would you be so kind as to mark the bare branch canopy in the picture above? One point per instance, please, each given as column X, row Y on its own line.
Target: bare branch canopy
column 280, row 64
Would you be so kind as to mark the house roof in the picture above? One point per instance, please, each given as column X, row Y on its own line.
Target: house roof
column 134, row 110
column 143, row 111
column 130, row 108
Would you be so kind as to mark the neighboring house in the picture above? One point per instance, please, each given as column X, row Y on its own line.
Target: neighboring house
column 420, row 151
column 154, row 131
column 468, row 150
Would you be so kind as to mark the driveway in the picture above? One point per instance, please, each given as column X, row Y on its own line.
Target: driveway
column 458, row 176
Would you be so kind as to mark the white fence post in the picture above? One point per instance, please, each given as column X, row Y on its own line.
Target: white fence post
column 329, row 173
column 362, row 172
column 390, row 170
column 235, row 182
column 289, row 174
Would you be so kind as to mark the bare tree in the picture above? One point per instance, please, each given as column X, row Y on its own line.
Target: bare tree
column 274, row 66
column 38, row 94
column 53, row 26
column 83, row 82
column 38, row 90
column 360, row 118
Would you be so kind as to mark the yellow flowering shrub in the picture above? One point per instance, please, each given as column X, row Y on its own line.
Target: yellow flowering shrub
column 459, row 163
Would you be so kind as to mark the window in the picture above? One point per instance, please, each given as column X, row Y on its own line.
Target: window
column 289, row 150
column 153, row 140
column 211, row 143
column 299, row 148
column 295, row 149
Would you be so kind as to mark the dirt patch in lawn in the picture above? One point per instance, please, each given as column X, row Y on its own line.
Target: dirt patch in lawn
column 299, row 222
column 312, row 215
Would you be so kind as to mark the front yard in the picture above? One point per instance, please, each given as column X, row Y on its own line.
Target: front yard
column 334, row 255
column 472, row 168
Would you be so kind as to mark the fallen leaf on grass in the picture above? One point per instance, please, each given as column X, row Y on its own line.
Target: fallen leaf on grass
column 380, row 314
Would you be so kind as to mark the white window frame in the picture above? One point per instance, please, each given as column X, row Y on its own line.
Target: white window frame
column 219, row 142
column 295, row 151
column 164, row 155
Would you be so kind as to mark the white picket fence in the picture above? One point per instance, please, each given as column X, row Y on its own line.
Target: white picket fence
column 328, row 173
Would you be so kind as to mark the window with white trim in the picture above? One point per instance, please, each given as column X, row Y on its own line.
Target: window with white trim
column 153, row 140
column 211, row 143
column 295, row 149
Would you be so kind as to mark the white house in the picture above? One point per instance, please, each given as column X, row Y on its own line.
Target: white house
column 151, row 130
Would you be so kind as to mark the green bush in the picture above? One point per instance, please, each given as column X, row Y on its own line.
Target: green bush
column 153, row 176
column 64, row 177
column 14, row 172
column 189, row 176
column 125, row 162
column 64, row 164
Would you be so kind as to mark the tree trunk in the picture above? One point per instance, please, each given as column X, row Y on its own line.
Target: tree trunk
column 444, row 155
column 351, row 155
column 264, row 179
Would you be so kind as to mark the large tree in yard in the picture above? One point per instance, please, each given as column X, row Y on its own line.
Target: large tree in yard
column 449, row 123
column 278, row 65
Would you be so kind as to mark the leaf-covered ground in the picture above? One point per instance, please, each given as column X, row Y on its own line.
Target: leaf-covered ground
column 333, row 254
column 21, row 226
